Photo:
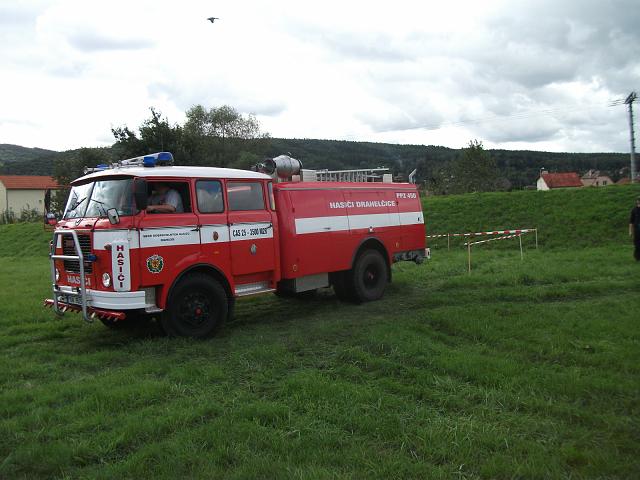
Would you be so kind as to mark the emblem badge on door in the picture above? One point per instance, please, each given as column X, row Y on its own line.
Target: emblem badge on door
column 253, row 249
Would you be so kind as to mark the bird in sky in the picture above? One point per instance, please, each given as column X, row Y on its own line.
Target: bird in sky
column 213, row 19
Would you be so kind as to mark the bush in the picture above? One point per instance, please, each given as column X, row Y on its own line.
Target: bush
column 26, row 215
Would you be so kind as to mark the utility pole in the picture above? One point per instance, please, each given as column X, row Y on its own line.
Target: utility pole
column 629, row 101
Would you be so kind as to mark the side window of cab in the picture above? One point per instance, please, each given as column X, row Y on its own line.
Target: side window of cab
column 209, row 196
column 245, row 196
column 169, row 197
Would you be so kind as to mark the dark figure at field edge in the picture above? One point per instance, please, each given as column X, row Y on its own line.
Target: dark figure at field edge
column 634, row 229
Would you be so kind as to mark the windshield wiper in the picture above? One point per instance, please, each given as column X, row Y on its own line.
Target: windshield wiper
column 77, row 204
column 102, row 209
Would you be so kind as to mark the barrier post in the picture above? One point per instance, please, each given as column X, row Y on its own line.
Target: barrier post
column 448, row 242
column 469, row 250
column 521, row 255
column 536, row 232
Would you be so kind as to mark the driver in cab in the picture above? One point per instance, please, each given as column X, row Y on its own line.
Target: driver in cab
column 164, row 199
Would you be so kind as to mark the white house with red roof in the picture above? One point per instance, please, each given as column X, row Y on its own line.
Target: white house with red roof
column 548, row 181
column 24, row 192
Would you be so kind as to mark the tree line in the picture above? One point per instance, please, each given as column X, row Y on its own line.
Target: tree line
column 223, row 137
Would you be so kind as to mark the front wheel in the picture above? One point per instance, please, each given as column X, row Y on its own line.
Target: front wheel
column 197, row 308
column 369, row 277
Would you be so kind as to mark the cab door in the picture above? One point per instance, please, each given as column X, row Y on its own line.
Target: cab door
column 214, row 229
column 251, row 234
column 169, row 242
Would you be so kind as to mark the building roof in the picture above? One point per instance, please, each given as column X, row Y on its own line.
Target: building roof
column 28, row 182
column 562, row 180
column 624, row 181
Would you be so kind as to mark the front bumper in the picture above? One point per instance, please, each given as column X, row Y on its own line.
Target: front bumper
column 105, row 300
column 93, row 312
column 109, row 305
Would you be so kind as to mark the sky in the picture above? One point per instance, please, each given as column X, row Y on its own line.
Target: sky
column 524, row 75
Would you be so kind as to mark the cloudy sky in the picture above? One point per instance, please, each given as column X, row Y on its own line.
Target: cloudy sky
column 539, row 74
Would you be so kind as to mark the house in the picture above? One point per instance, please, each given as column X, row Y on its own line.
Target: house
column 24, row 192
column 593, row 179
column 548, row 181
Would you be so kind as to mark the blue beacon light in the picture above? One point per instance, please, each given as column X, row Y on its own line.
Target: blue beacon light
column 149, row 161
column 159, row 159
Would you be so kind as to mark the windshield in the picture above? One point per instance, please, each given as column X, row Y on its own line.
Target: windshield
column 94, row 199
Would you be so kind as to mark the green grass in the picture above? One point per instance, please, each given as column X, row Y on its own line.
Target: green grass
column 523, row 369
column 567, row 218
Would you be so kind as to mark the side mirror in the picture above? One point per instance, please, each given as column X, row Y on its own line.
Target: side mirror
column 112, row 215
column 140, row 193
column 50, row 219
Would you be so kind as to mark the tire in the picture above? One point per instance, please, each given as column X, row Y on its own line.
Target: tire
column 368, row 278
column 342, row 285
column 197, row 308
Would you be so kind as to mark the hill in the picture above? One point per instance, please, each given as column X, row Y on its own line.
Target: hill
column 17, row 160
column 521, row 168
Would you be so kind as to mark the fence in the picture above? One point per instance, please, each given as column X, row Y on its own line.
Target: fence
column 507, row 234
column 515, row 231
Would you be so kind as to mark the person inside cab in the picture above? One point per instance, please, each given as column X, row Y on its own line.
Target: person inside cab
column 164, row 199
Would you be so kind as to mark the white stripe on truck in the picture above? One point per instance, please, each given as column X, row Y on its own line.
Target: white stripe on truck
column 353, row 222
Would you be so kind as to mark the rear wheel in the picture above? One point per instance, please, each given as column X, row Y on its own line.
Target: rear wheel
column 197, row 307
column 368, row 278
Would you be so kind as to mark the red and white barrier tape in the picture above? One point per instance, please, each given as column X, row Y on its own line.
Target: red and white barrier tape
column 493, row 239
column 478, row 234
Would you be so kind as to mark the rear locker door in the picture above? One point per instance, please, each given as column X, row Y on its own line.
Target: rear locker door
column 322, row 232
column 371, row 211
column 411, row 218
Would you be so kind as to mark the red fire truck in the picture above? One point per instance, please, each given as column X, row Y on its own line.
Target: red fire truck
column 231, row 233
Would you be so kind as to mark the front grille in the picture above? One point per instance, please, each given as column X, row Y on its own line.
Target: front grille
column 68, row 249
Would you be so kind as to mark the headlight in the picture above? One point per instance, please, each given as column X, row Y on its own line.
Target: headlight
column 57, row 274
column 106, row 279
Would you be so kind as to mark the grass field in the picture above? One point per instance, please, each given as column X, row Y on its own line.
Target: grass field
column 524, row 369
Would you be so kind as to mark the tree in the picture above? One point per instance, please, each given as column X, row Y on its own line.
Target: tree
column 474, row 170
column 156, row 135
column 218, row 136
column 222, row 136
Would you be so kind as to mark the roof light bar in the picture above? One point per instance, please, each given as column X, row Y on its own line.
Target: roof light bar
column 151, row 160
column 158, row 159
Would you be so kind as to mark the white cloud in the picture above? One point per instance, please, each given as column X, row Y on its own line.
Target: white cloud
column 526, row 74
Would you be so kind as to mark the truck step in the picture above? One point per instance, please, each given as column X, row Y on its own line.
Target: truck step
column 253, row 288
